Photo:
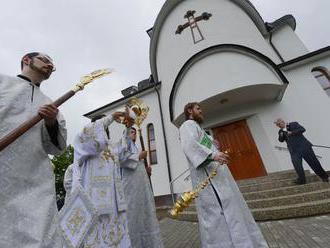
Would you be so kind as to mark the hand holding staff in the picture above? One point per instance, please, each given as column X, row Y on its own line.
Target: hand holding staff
column 48, row 111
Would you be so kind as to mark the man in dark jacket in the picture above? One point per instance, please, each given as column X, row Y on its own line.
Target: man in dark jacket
column 299, row 148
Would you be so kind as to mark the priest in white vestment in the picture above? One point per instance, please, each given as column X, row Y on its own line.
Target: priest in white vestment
column 28, row 212
column 96, row 168
column 225, row 220
column 143, row 225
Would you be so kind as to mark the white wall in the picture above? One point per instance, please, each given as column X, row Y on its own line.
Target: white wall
column 288, row 43
column 222, row 72
column 304, row 101
column 228, row 24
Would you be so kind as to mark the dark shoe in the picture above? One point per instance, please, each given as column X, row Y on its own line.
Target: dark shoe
column 299, row 181
column 326, row 180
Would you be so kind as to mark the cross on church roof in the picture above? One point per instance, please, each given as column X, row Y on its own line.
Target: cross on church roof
column 192, row 23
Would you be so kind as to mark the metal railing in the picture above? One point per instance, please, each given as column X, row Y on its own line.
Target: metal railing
column 180, row 175
column 283, row 148
column 322, row 146
column 176, row 178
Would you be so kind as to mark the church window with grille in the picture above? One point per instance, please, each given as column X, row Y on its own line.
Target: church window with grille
column 322, row 75
column 152, row 144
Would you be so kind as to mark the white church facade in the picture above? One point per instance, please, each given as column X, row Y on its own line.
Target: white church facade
column 244, row 72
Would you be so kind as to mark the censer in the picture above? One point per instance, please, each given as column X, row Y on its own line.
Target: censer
column 187, row 198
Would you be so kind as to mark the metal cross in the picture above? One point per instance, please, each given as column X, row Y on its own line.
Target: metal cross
column 192, row 23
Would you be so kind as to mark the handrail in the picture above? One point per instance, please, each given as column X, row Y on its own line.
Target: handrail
column 322, row 146
column 282, row 148
column 181, row 174
column 186, row 178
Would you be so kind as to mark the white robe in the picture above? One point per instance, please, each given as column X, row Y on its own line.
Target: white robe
column 96, row 168
column 141, row 213
column 226, row 223
column 67, row 182
column 28, row 212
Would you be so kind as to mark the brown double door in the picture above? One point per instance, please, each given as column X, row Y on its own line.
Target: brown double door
column 236, row 139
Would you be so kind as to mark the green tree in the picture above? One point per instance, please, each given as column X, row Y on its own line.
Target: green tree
column 61, row 163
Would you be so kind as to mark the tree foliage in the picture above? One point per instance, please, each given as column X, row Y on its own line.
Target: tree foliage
column 61, row 163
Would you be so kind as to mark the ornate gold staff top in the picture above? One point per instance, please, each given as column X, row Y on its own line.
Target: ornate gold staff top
column 25, row 126
column 91, row 77
column 140, row 109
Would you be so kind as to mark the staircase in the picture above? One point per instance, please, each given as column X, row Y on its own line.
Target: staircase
column 275, row 197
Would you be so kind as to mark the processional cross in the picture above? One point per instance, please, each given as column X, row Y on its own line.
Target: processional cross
column 192, row 23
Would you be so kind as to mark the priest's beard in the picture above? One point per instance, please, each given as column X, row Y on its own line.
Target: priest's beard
column 45, row 74
column 198, row 118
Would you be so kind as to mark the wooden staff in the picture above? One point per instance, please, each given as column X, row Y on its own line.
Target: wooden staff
column 145, row 159
column 25, row 126
column 143, row 149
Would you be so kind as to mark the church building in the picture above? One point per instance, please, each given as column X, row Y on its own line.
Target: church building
column 244, row 72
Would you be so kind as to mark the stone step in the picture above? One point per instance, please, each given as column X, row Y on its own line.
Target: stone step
column 188, row 216
column 316, row 195
column 305, row 196
column 292, row 211
column 290, row 199
column 278, row 176
column 286, row 191
column 281, row 175
column 277, row 197
column 276, row 213
column 192, row 207
column 275, row 184
column 162, row 212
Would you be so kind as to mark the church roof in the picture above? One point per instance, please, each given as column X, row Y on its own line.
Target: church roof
column 312, row 56
column 245, row 5
column 109, row 106
column 284, row 20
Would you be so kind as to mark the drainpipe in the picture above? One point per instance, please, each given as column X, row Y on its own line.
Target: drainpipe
column 165, row 141
column 273, row 46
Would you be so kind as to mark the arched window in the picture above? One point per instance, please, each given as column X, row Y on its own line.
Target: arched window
column 323, row 77
column 151, row 144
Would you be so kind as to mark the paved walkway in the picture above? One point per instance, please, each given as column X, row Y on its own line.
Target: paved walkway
column 311, row 232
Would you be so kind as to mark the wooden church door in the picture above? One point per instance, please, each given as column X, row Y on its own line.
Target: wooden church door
column 236, row 139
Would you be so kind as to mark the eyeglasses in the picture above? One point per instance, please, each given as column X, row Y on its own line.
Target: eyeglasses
column 46, row 61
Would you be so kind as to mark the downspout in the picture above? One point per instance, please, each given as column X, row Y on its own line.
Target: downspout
column 165, row 142
column 273, row 46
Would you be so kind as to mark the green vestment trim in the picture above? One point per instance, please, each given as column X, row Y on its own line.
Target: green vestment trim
column 207, row 142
